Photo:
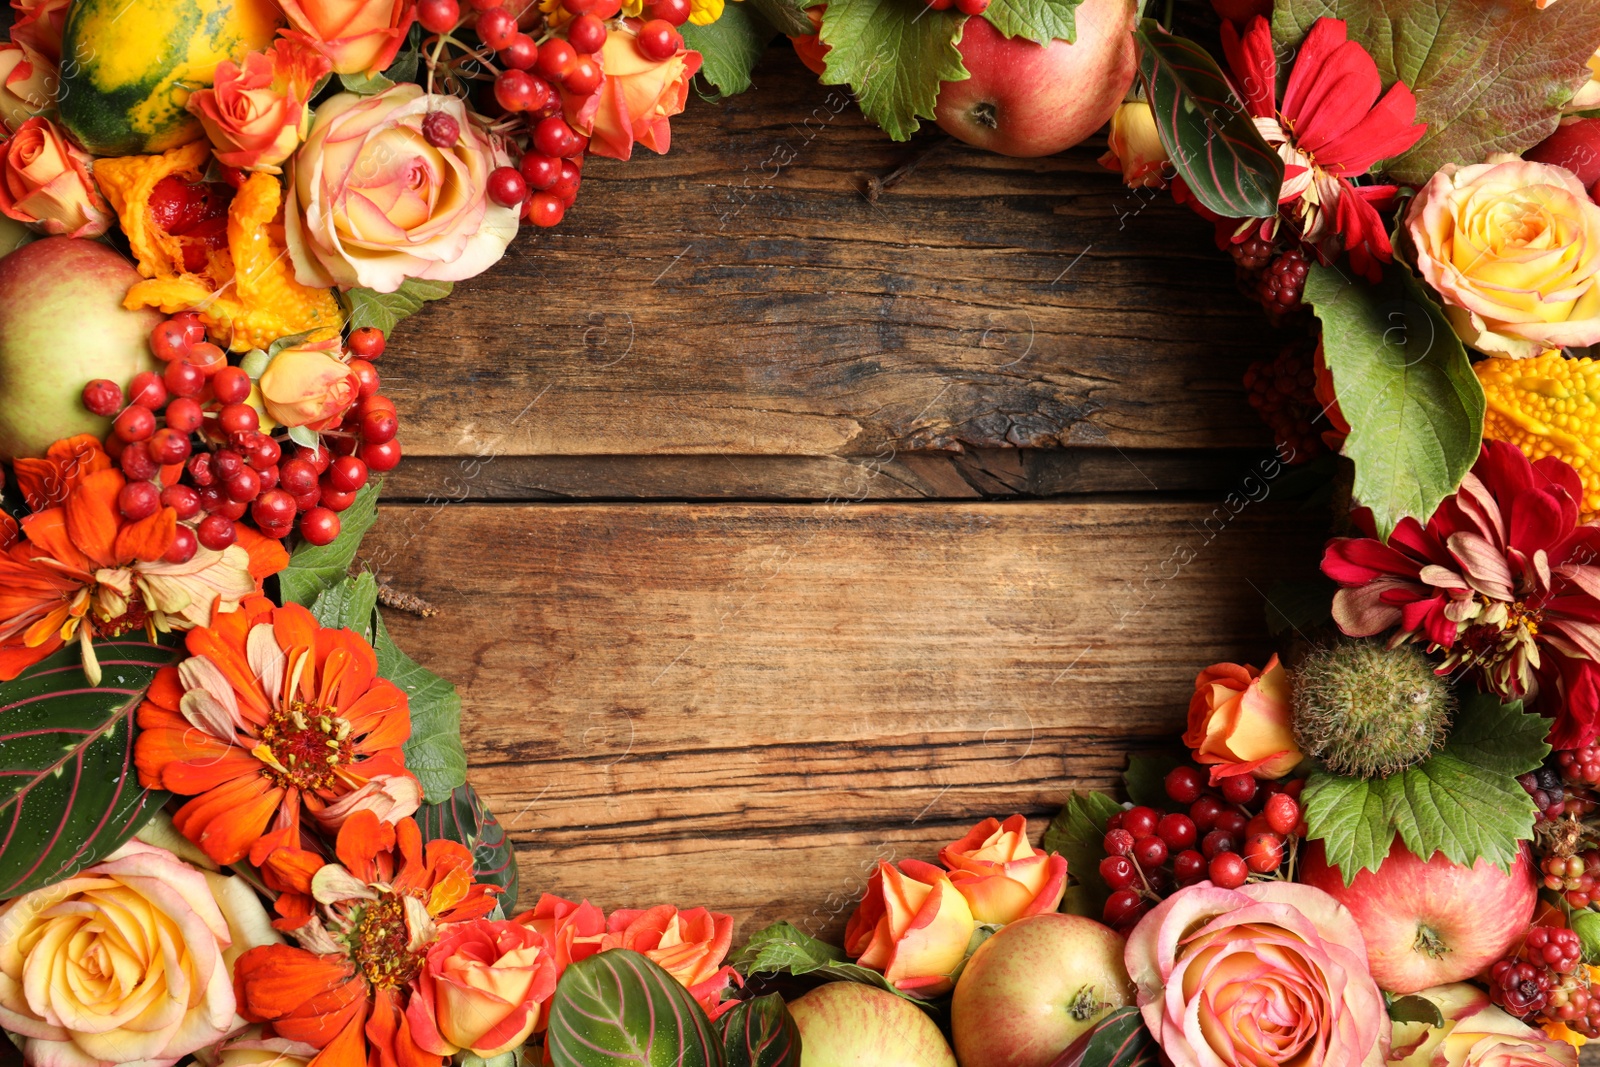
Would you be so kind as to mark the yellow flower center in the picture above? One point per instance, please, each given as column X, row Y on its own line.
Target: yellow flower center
column 304, row 745
column 380, row 943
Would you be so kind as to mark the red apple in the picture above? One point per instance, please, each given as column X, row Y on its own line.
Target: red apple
column 1576, row 146
column 847, row 1024
column 1025, row 99
column 1430, row 923
column 1034, row 987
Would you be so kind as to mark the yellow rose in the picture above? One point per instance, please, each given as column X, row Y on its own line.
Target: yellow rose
column 127, row 961
column 27, row 83
column 1513, row 249
column 913, row 926
column 1134, row 147
column 308, row 386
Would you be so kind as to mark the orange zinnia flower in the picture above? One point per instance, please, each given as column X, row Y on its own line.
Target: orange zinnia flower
column 378, row 910
column 75, row 568
column 271, row 713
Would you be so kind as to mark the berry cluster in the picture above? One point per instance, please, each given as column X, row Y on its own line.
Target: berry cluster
column 1283, row 283
column 1576, row 877
column 187, row 439
column 1580, row 766
column 1240, row 830
column 1282, row 391
column 1549, row 796
column 1542, row 980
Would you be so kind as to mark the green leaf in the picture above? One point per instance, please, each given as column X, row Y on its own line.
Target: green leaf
column 1118, row 1040
column 368, row 307
column 731, row 46
column 69, row 794
column 1464, row 800
column 348, row 605
column 433, row 752
column 1205, row 129
column 286, row 341
column 365, row 84
column 1406, row 387
column 1146, row 776
column 618, row 1007
column 894, row 55
column 1490, row 75
column 786, row 16
column 1040, row 21
column 1415, row 1009
column 1077, row 833
column 314, row 568
column 783, row 949
column 464, row 817
column 760, row 1033
column 305, row 437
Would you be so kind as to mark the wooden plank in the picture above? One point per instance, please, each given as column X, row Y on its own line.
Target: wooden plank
column 740, row 295
column 736, row 705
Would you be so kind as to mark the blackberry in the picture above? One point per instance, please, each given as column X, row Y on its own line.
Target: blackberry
column 1549, row 796
column 1253, row 253
column 1282, row 390
column 1521, row 988
column 1284, row 282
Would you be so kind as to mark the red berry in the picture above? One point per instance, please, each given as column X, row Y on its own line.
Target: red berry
column 230, row 385
column 380, row 455
column 583, row 77
column 496, row 27
column 1231, row 822
column 1204, row 812
column 169, row 446
column 216, row 532
column 1140, row 821
column 136, row 461
column 440, row 129
column 516, row 91
column 147, row 390
column 319, row 458
column 1117, row 842
column 261, row 451
column 138, row 500
column 183, row 379
column 134, row 424
column 169, row 340
column 544, row 210
column 1228, row 870
column 521, row 52
column 1118, row 872
column 230, row 509
column 273, row 508
column 438, row 16
column 1239, row 788
column 538, row 170
column 553, row 137
column 236, row 418
column 201, row 472
column 334, row 500
column 554, row 59
column 566, row 187
column 319, row 526
column 1150, row 852
column 347, row 474
column 586, row 34
column 226, row 463
column 675, row 12
column 194, row 330
column 1216, row 843
column 1177, row 831
column 378, row 426
column 972, row 7
column 658, row 40
column 243, row 487
column 1184, row 784
column 1123, row 908
column 1188, row 867
column 181, row 499
column 507, row 187
column 368, row 342
column 1263, row 852
column 183, row 545
column 367, row 381
column 1282, row 812
column 297, row 476
column 208, row 357
column 103, row 396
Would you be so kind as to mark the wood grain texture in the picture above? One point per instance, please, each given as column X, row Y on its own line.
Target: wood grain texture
column 740, row 295
column 738, row 705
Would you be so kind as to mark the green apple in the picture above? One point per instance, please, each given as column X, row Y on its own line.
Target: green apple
column 62, row 324
column 847, row 1024
column 1034, row 987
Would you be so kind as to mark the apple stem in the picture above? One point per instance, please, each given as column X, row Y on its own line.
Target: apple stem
column 876, row 186
column 1429, row 943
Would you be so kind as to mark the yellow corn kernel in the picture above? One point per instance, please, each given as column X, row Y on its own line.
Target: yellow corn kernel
column 1548, row 406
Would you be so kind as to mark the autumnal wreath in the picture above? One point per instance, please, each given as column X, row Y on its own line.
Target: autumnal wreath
column 234, row 820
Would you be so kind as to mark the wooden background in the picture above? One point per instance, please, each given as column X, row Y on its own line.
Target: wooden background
column 774, row 531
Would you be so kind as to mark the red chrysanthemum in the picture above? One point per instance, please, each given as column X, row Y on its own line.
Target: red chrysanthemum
column 1503, row 579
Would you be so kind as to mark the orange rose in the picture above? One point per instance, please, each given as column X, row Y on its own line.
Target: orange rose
column 913, row 926
column 308, row 386
column 689, row 945
column 1002, row 876
column 357, row 36
column 481, row 988
column 27, row 83
column 40, row 24
column 45, row 182
column 1239, row 721
column 636, row 99
column 256, row 116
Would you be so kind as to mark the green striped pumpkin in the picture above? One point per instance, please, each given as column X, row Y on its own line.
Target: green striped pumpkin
column 128, row 67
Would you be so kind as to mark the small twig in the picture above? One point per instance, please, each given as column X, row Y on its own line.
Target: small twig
column 876, row 186
column 390, row 597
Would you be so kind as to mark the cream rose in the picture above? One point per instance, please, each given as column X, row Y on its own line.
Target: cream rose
column 1513, row 249
column 125, row 962
column 372, row 203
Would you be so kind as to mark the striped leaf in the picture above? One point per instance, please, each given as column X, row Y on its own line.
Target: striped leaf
column 1209, row 137
column 465, row 818
column 1118, row 1040
column 69, row 795
column 760, row 1033
column 618, row 1007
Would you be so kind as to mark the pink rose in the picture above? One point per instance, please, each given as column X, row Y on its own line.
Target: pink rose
column 481, row 988
column 357, row 36
column 636, row 99
column 913, row 926
column 1002, row 876
column 27, row 83
column 256, row 116
column 1272, row 972
column 45, row 182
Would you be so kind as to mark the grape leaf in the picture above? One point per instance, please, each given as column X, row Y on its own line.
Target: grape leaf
column 1146, row 776
column 1406, row 387
column 1490, row 75
column 1464, row 800
column 433, row 752
column 730, row 46
column 368, row 307
column 782, row 949
column 1077, row 834
column 894, row 55
column 786, row 16
column 313, row 568
column 1040, row 21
